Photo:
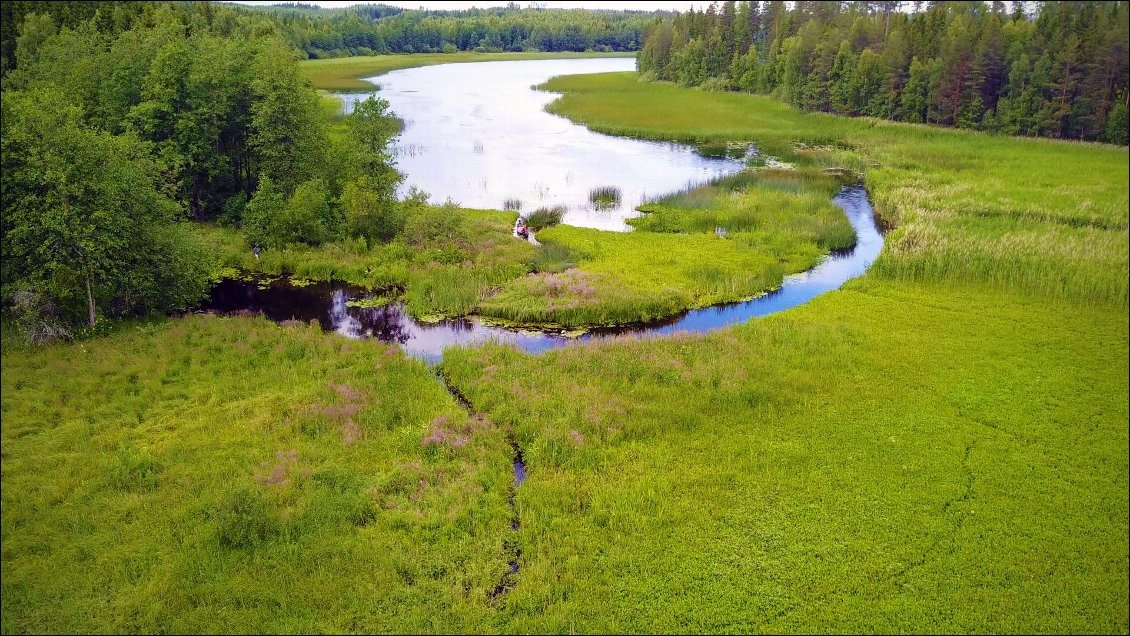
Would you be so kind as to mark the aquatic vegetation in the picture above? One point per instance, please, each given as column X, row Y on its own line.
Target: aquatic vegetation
column 605, row 197
column 512, row 205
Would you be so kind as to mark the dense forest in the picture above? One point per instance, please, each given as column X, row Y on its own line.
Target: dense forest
column 369, row 29
column 1058, row 70
column 121, row 122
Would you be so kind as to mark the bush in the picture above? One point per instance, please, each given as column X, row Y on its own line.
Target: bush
column 370, row 215
column 37, row 317
column 432, row 226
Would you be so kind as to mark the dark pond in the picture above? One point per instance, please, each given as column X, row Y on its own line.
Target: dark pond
column 328, row 302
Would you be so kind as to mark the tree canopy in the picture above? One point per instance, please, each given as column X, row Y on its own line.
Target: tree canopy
column 118, row 131
column 1060, row 71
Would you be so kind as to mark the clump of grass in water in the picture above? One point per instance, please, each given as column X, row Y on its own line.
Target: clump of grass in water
column 544, row 217
column 605, row 197
column 512, row 205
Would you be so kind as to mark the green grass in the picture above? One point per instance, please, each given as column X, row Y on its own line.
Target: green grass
column 542, row 218
column 581, row 277
column 1047, row 216
column 774, row 211
column 214, row 475
column 940, row 446
column 346, row 74
column 642, row 276
column 442, row 275
column 895, row 457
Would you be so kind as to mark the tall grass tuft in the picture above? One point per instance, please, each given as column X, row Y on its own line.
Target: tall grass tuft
column 542, row 218
column 605, row 197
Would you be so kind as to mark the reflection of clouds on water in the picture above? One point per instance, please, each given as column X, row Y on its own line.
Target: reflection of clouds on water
column 507, row 145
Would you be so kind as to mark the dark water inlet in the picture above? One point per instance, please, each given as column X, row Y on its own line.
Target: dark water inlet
column 327, row 302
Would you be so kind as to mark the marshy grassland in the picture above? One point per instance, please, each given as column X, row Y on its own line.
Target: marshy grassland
column 940, row 446
column 1045, row 216
column 452, row 261
column 463, row 262
column 210, row 475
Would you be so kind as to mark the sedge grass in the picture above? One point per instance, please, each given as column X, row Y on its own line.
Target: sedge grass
column 215, row 475
column 894, row 457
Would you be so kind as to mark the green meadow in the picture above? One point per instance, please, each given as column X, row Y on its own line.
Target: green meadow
column 212, row 475
column 940, row 446
column 1045, row 216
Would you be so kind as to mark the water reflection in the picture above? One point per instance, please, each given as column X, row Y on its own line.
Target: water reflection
column 328, row 303
column 479, row 134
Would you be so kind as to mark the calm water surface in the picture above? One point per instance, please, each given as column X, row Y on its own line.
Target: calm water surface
column 477, row 133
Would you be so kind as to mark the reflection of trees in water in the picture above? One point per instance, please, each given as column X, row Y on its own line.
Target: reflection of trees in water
column 386, row 323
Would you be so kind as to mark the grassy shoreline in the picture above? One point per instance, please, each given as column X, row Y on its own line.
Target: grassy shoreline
column 347, row 74
column 1044, row 215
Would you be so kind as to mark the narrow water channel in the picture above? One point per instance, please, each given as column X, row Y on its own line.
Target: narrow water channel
column 328, row 302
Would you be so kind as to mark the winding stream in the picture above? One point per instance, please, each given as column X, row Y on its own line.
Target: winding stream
column 326, row 302
column 477, row 134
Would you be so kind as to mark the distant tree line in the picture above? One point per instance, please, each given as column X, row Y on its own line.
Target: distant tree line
column 1060, row 71
column 379, row 29
column 121, row 124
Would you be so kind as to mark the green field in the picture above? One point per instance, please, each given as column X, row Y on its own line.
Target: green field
column 217, row 475
column 940, row 446
column 1041, row 215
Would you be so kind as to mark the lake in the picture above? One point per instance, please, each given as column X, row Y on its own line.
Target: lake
column 478, row 133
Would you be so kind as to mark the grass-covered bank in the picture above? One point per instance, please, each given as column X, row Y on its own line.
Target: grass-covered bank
column 895, row 457
column 347, row 74
column 213, row 475
column 457, row 262
column 939, row 447
column 446, row 260
column 1046, row 216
